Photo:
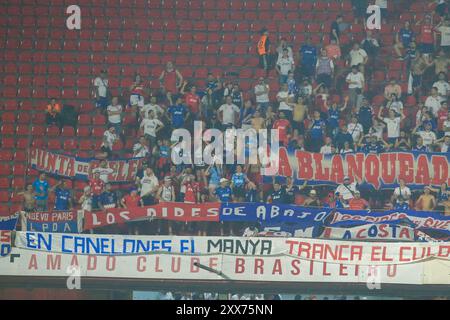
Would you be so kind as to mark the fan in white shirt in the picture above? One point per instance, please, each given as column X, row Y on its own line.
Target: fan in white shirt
column 114, row 111
column 101, row 83
column 140, row 149
column 392, row 123
column 148, row 183
column 151, row 125
column 284, row 98
column 433, row 102
column 428, row 136
column 442, row 86
column 152, row 106
column 104, row 171
column 228, row 112
column 355, row 129
column 109, row 138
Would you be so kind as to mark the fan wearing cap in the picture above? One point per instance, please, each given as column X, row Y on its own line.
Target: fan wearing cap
column 223, row 192
column 427, row 201
column 358, row 203
column 347, row 189
column 277, row 195
column 312, row 200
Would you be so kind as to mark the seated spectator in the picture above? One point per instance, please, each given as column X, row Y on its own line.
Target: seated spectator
column 102, row 90
column 53, row 113
column 41, row 188
column 108, row 198
column 358, row 203
column 401, row 204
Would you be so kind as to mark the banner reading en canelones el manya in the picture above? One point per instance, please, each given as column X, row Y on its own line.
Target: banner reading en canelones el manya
column 380, row 171
column 124, row 170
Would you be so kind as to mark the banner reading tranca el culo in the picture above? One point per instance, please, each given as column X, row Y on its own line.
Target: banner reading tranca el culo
column 124, row 170
column 382, row 170
column 266, row 259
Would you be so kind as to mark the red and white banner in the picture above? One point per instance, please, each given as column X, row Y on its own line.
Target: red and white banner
column 124, row 170
column 175, row 211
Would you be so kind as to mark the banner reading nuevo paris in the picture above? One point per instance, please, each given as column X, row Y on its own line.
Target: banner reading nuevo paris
column 79, row 168
column 377, row 170
column 278, row 259
column 56, row 221
column 8, row 222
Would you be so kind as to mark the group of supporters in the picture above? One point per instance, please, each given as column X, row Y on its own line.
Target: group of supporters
column 324, row 104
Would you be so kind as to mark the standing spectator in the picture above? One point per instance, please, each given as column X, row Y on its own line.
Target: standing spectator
column 148, row 186
column 29, row 198
column 262, row 90
column 418, row 67
column 327, row 148
column 428, row 136
column 393, row 125
column 140, row 149
column 433, row 101
column 228, row 113
column 152, row 106
column 284, row 65
column 308, row 58
column 41, row 188
column 316, row 132
column 247, row 114
column 224, row 192
column 284, row 128
column 115, row 114
column 365, row 115
column 401, row 204
column 166, row 192
column 442, row 86
column 137, row 93
column 358, row 203
column 343, row 137
column 101, row 90
column 178, row 111
column 108, row 198
column 63, row 196
column 96, row 186
column 334, row 115
column 277, row 196
column 264, row 50
column 359, row 9
column 284, row 98
column 109, row 139
column 170, row 79
column 324, row 69
column 192, row 101
column 401, row 191
column 53, row 113
column 86, row 199
column 103, row 170
column 426, row 202
column 152, row 126
column 236, row 96
column 358, row 57
column 347, row 189
column 403, row 39
column 370, row 45
column 392, row 88
column 441, row 7
column 335, row 31
column 426, row 36
column 443, row 28
column 333, row 50
column 395, row 104
column 284, row 45
column 131, row 200
column 355, row 129
column 442, row 116
column 356, row 82
column 298, row 114
column 312, row 200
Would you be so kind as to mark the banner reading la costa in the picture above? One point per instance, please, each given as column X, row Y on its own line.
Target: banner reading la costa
column 124, row 170
column 240, row 259
column 382, row 170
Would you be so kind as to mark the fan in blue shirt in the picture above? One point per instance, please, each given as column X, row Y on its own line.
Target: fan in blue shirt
column 41, row 187
column 63, row 196
column 108, row 199
column 178, row 113
column 223, row 192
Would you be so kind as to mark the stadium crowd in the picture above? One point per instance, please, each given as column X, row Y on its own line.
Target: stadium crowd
column 325, row 103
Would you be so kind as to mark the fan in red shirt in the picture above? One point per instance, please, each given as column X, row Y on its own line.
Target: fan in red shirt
column 358, row 203
column 442, row 115
column 191, row 194
column 132, row 200
column 283, row 126
column 192, row 99
column 97, row 186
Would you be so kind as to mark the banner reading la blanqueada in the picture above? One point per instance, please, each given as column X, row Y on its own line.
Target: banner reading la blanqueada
column 124, row 170
column 165, row 210
column 382, row 170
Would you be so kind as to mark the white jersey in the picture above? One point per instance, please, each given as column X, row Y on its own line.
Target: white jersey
column 166, row 194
